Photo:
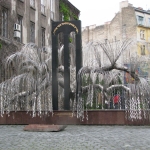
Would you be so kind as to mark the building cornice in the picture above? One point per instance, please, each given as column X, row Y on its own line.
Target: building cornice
column 142, row 11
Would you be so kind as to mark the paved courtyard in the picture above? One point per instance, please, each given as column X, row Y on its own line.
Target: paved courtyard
column 13, row 137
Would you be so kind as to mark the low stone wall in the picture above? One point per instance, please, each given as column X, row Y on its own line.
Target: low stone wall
column 101, row 117
column 65, row 117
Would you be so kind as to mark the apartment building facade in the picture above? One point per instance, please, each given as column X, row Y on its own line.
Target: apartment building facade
column 143, row 31
column 25, row 21
column 30, row 20
column 129, row 23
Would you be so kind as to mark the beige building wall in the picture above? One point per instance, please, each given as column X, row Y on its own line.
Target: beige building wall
column 41, row 20
column 122, row 26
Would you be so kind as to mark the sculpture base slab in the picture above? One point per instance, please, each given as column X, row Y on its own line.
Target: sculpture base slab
column 44, row 128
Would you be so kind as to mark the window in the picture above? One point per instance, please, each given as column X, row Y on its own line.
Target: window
column 124, row 31
column 142, row 49
column 43, row 37
column 149, row 47
column 19, row 21
column 32, row 3
column 53, row 5
column 42, row 9
column 148, row 21
column 52, row 15
column 140, row 20
column 4, row 22
column 43, row 6
column 32, row 32
column 142, row 34
column 43, row 2
column 52, row 9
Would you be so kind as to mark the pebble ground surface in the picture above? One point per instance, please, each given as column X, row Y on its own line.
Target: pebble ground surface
column 76, row 137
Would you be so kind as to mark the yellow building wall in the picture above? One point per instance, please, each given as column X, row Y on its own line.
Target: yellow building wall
column 145, row 41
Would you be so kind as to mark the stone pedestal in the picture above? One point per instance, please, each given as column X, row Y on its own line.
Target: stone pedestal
column 44, row 128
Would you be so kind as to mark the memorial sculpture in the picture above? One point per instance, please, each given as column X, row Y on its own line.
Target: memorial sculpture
column 30, row 78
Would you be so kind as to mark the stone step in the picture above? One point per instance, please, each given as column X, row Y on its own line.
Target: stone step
column 44, row 128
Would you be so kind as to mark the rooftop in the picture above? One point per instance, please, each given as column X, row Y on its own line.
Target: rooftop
column 140, row 9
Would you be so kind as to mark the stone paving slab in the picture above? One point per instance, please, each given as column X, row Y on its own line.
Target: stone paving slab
column 12, row 137
column 44, row 128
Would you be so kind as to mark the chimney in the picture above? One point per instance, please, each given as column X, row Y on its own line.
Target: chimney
column 140, row 8
column 123, row 4
column 108, row 22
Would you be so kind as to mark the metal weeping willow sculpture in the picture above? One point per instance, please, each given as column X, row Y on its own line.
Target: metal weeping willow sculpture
column 28, row 81
column 28, row 84
column 102, row 77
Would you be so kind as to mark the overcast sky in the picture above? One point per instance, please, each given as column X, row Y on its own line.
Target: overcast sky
column 100, row 11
